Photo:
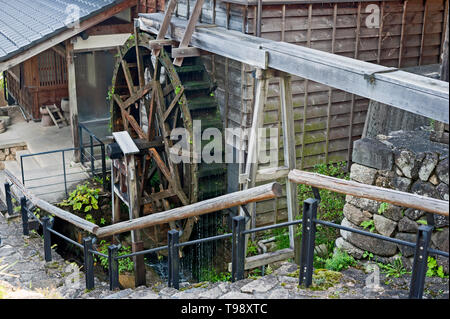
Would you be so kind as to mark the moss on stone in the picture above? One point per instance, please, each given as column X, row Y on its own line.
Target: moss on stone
column 324, row 279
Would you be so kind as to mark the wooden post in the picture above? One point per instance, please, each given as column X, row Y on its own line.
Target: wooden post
column 71, row 82
column 134, row 209
column 287, row 112
column 248, row 179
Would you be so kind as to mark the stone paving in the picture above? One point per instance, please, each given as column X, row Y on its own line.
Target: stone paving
column 29, row 276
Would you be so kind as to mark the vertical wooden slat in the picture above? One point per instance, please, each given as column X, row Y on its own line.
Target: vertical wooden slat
column 283, row 23
column 330, row 90
column 305, row 100
column 352, row 105
column 402, row 34
column 444, row 29
column 424, row 23
column 380, row 32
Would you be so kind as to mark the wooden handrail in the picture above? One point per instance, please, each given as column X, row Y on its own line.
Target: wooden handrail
column 67, row 216
column 255, row 194
column 356, row 189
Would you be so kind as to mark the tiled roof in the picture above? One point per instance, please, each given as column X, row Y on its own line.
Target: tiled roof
column 24, row 23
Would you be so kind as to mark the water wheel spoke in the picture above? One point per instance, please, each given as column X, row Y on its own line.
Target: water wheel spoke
column 139, row 60
column 129, row 119
column 173, row 104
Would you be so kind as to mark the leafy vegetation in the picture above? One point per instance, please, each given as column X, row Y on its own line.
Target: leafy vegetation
column 434, row 269
column 368, row 224
column 383, row 207
column 331, row 203
column 339, row 261
column 212, row 275
column 125, row 264
column 394, row 269
column 84, row 201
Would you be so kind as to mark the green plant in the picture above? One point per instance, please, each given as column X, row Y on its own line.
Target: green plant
column 83, row 198
column 367, row 255
column 394, row 269
column 125, row 264
column 339, row 261
column 434, row 269
column 368, row 224
column 383, row 207
column 212, row 275
column 251, row 249
column 331, row 203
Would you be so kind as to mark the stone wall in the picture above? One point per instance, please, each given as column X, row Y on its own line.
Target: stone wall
column 405, row 161
column 8, row 152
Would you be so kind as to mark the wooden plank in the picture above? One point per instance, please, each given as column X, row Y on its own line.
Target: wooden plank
column 424, row 23
column 125, row 142
column 371, row 192
column 267, row 258
column 259, row 193
column 21, row 191
column 271, row 174
column 186, row 52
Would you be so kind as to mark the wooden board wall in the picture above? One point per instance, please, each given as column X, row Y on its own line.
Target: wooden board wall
column 327, row 121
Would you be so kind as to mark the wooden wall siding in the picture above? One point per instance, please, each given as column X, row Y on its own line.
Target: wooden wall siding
column 327, row 120
column 150, row 6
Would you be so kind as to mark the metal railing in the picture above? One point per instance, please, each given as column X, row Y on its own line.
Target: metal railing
column 99, row 173
column 309, row 223
column 89, row 155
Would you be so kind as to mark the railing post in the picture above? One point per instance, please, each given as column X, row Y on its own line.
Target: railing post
column 420, row 263
column 105, row 187
column 88, row 262
column 113, row 266
column 64, row 171
column 174, row 259
column 22, row 170
column 92, row 155
column 238, row 249
column 308, row 241
column 8, row 198
column 80, row 129
column 23, row 210
column 47, row 238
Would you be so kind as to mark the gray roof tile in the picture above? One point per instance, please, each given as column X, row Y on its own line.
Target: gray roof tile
column 24, row 23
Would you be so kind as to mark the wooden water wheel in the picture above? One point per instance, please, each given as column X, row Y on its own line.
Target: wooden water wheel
column 149, row 98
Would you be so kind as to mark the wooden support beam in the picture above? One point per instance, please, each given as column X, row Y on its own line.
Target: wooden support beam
column 287, row 114
column 189, row 29
column 414, row 93
column 188, row 52
column 158, row 44
column 73, row 104
column 260, row 193
column 165, row 24
column 371, row 192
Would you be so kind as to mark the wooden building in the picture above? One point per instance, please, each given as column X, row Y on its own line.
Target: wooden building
column 397, row 34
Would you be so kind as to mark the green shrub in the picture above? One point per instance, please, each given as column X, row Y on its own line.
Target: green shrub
column 125, row 264
column 433, row 269
column 339, row 261
column 331, row 204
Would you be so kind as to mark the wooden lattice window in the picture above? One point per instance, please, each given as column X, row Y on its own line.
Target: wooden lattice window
column 52, row 69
